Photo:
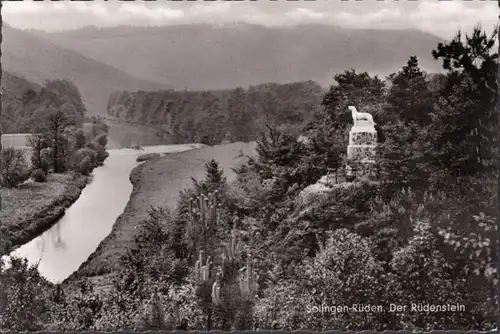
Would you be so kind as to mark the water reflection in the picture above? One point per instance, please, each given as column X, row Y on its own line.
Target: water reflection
column 61, row 250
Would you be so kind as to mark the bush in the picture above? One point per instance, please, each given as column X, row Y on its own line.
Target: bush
column 45, row 160
column 85, row 166
column 38, row 175
column 13, row 167
column 102, row 139
column 82, row 159
column 80, row 139
column 101, row 154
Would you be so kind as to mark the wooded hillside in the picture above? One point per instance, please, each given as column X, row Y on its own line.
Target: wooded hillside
column 212, row 116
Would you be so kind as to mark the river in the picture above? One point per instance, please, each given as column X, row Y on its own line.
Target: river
column 64, row 247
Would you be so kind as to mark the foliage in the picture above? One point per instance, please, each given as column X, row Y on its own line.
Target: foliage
column 213, row 116
column 38, row 175
column 101, row 139
column 410, row 98
column 466, row 121
column 38, row 142
column 13, row 168
column 52, row 123
column 84, row 160
column 80, row 139
column 23, row 100
column 54, row 115
column 76, row 310
column 423, row 274
column 352, row 89
column 23, row 298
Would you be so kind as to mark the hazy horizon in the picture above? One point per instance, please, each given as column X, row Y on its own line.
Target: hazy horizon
column 424, row 15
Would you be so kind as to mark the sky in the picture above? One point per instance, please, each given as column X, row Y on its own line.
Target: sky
column 442, row 18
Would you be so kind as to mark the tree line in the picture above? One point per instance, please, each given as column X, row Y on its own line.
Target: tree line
column 211, row 117
column 57, row 139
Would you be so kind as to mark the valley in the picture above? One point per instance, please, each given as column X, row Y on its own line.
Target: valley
column 166, row 184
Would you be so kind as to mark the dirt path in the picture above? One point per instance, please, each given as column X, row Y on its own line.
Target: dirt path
column 157, row 183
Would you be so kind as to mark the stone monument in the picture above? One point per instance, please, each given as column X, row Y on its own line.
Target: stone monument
column 362, row 140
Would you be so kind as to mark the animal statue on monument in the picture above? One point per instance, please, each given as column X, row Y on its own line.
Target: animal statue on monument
column 360, row 116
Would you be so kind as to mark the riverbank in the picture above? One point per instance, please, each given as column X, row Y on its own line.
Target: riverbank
column 156, row 183
column 33, row 208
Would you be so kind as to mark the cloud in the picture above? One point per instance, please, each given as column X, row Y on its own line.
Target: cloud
column 89, row 8
column 13, row 9
column 305, row 14
column 447, row 17
column 210, row 8
column 155, row 14
column 385, row 17
column 20, row 8
column 438, row 17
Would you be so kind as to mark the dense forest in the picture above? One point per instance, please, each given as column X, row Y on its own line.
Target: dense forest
column 22, row 100
column 15, row 118
column 211, row 117
column 260, row 253
column 53, row 117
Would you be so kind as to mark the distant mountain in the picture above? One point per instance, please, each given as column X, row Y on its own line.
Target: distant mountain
column 226, row 56
column 28, row 56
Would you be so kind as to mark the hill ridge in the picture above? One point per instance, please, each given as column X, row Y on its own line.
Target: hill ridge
column 38, row 59
column 227, row 57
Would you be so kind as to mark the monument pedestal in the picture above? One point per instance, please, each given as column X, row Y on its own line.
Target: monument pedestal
column 361, row 149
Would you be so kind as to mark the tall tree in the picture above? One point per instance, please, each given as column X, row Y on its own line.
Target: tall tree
column 328, row 131
column 53, row 122
column 357, row 89
column 212, row 125
column 410, row 97
column 239, row 118
column 465, row 122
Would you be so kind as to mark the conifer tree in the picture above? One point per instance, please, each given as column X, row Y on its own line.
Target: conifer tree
column 410, row 98
column 466, row 125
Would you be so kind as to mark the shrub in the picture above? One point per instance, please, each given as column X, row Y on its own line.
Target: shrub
column 45, row 160
column 101, row 154
column 13, row 167
column 100, row 151
column 38, row 175
column 91, row 145
column 80, row 139
column 85, row 166
column 24, row 298
column 78, row 163
column 38, row 142
column 102, row 139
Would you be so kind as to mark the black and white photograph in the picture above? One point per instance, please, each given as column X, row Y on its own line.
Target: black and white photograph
column 249, row 165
